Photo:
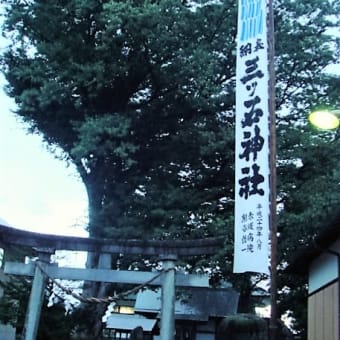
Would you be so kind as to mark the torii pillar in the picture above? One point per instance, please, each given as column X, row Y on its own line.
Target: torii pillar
column 168, row 297
column 37, row 296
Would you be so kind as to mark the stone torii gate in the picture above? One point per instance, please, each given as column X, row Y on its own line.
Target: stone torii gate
column 45, row 245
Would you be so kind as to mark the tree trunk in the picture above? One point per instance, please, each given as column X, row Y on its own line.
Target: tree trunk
column 95, row 260
column 99, row 290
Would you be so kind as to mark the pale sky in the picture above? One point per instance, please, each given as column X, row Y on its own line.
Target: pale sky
column 37, row 191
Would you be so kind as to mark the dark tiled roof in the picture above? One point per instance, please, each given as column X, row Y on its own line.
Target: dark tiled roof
column 193, row 304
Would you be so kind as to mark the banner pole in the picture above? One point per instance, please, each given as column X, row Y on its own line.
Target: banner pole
column 272, row 160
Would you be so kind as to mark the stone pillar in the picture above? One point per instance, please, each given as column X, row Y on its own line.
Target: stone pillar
column 37, row 296
column 168, row 298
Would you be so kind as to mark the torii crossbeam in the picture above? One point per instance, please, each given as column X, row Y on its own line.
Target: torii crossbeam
column 168, row 251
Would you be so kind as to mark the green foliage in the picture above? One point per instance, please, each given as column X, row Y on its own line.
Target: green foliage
column 140, row 96
column 14, row 302
column 13, row 306
column 56, row 323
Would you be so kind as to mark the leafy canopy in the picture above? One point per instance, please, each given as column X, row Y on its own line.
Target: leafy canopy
column 139, row 95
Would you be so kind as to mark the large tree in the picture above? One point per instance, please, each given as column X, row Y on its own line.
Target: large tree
column 139, row 95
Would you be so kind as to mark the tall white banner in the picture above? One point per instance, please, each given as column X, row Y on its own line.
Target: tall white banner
column 252, row 140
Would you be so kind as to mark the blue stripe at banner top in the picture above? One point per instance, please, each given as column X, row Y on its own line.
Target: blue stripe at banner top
column 251, row 19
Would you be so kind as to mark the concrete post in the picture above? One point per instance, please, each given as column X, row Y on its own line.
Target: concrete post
column 168, row 298
column 36, row 297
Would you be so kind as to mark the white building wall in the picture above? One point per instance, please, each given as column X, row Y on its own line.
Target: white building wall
column 324, row 269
